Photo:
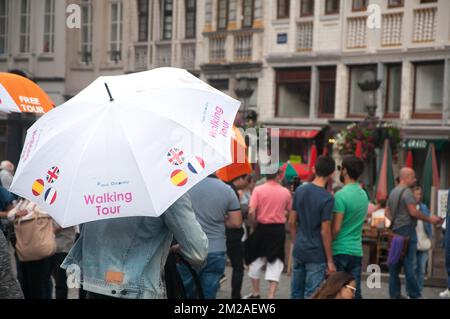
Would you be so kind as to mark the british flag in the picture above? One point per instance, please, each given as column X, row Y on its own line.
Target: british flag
column 52, row 174
column 175, row 156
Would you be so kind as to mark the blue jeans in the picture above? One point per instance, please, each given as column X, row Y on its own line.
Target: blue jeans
column 209, row 275
column 422, row 259
column 306, row 278
column 447, row 250
column 352, row 265
column 409, row 266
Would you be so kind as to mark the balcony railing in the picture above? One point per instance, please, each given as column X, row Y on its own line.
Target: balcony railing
column 356, row 32
column 217, row 48
column 163, row 55
column 305, row 36
column 243, row 45
column 391, row 32
column 141, row 55
column 425, row 25
column 188, row 55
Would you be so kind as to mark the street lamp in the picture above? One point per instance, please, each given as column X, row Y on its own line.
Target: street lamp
column 244, row 91
column 370, row 86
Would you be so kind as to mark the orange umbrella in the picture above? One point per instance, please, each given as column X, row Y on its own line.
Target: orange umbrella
column 240, row 165
column 21, row 95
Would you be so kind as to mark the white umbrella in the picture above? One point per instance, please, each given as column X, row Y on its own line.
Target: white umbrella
column 126, row 145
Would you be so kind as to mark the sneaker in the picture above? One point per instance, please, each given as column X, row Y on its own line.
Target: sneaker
column 223, row 279
column 445, row 294
column 251, row 296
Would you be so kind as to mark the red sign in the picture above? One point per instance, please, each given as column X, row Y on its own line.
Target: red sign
column 292, row 133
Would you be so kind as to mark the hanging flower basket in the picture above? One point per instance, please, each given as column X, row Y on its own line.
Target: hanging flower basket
column 370, row 139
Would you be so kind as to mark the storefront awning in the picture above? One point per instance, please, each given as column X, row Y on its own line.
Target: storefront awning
column 422, row 144
column 295, row 133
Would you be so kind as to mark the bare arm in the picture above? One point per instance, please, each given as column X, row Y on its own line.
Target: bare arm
column 293, row 224
column 327, row 239
column 336, row 224
column 252, row 217
column 414, row 212
column 234, row 219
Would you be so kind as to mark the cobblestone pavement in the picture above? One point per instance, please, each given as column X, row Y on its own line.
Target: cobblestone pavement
column 284, row 289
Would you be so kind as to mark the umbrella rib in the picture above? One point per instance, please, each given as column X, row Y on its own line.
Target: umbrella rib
column 94, row 130
column 184, row 126
column 119, row 120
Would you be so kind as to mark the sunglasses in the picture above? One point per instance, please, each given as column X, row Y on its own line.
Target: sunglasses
column 353, row 289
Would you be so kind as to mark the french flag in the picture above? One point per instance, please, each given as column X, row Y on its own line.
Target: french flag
column 196, row 165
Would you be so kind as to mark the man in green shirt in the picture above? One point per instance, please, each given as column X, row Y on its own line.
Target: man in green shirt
column 350, row 211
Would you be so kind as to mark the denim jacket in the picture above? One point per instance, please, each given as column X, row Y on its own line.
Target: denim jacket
column 427, row 226
column 125, row 257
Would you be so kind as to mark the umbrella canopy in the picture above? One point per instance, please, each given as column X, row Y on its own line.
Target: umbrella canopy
column 133, row 154
column 430, row 175
column 386, row 182
column 313, row 156
column 240, row 165
column 21, row 95
column 292, row 170
column 409, row 160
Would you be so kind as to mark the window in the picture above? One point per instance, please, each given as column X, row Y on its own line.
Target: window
column 24, row 43
column 332, row 6
column 208, row 11
column 395, row 3
column 222, row 17
column 327, row 91
column 283, row 9
column 49, row 26
column 167, row 19
column 359, row 5
column 4, row 8
column 248, row 9
column 142, row 20
column 190, row 19
column 307, row 8
column 394, row 89
column 86, row 31
column 429, row 87
column 115, row 43
column 359, row 74
column 293, row 92
column 221, row 85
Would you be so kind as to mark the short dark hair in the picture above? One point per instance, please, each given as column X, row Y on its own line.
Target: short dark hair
column 325, row 166
column 354, row 166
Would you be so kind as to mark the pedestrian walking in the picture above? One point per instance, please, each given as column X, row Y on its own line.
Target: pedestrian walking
column 269, row 205
column 310, row 227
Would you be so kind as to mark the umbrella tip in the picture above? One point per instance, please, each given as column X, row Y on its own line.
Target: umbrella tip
column 109, row 93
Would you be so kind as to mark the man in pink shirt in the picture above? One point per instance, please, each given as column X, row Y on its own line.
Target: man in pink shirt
column 269, row 205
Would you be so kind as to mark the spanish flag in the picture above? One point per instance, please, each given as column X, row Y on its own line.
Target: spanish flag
column 179, row 177
column 38, row 187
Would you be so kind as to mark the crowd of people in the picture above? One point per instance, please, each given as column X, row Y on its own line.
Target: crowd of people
column 245, row 222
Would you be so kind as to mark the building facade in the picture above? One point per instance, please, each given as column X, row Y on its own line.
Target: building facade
column 301, row 60
column 316, row 52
